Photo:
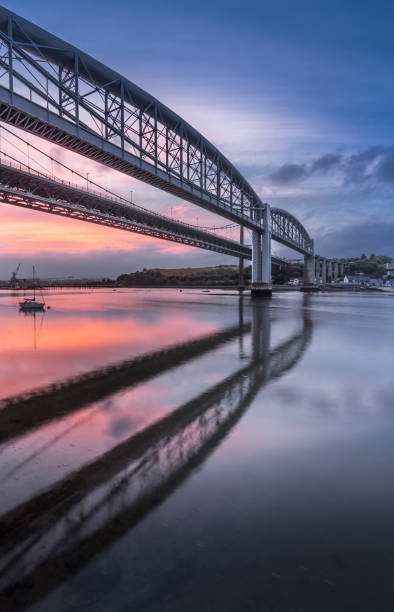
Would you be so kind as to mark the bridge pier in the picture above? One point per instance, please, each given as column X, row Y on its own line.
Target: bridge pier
column 335, row 270
column 329, row 270
column 341, row 269
column 309, row 283
column 323, row 272
column 241, row 279
column 317, row 271
column 261, row 257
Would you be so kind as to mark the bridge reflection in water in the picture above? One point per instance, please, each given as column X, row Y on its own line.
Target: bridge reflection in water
column 54, row 534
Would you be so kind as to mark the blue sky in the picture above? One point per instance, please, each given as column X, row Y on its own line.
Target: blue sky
column 299, row 95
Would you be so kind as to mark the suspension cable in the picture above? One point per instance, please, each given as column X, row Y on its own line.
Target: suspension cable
column 108, row 191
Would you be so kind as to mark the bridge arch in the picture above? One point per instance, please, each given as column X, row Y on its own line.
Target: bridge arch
column 287, row 229
column 56, row 91
column 60, row 93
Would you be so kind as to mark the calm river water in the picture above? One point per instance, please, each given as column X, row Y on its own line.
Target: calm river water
column 166, row 450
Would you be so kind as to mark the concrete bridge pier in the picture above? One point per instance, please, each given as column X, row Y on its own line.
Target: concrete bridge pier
column 323, row 272
column 309, row 283
column 241, row 278
column 329, row 270
column 261, row 256
column 317, row 270
column 335, row 270
column 341, row 269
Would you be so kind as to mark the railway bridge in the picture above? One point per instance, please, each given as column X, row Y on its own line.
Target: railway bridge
column 54, row 90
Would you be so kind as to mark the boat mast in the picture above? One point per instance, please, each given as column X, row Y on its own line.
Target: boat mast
column 34, row 283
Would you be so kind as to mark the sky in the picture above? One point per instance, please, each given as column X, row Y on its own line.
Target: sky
column 298, row 95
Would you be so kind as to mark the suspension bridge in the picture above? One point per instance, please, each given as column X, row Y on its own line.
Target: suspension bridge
column 57, row 92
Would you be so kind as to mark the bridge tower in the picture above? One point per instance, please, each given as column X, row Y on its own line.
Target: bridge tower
column 261, row 255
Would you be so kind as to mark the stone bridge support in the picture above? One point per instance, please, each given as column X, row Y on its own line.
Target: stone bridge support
column 329, row 270
column 241, row 278
column 309, row 273
column 261, row 256
column 341, row 269
column 323, row 272
column 335, row 269
column 317, row 270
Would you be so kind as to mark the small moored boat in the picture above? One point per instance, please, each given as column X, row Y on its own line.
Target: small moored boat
column 31, row 304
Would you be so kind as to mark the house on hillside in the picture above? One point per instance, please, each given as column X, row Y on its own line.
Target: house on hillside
column 389, row 268
column 361, row 280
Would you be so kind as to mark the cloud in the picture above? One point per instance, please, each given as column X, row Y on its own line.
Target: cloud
column 385, row 170
column 371, row 168
column 327, row 162
column 361, row 167
column 289, row 173
column 372, row 235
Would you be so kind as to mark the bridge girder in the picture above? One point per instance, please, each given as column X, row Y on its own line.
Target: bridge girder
column 54, row 90
column 287, row 230
column 154, row 143
column 21, row 188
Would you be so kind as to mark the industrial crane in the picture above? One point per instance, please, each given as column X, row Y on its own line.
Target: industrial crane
column 14, row 282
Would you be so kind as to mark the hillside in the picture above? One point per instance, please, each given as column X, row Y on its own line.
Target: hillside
column 228, row 275
column 212, row 275
column 370, row 266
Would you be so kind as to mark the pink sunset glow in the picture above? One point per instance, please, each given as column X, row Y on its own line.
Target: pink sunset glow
column 40, row 236
column 93, row 339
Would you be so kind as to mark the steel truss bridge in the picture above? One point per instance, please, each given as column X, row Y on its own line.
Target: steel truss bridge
column 53, row 90
column 37, row 191
column 78, row 517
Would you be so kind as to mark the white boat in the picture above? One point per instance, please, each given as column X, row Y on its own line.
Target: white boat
column 31, row 304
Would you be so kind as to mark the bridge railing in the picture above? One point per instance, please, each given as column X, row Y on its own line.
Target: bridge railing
column 157, row 145
column 58, row 92
column 107, row 196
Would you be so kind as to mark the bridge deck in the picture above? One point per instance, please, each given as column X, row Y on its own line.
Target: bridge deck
column 39, row 192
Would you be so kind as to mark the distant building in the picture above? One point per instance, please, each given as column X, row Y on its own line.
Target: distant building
column 362, row 281
column 389, row 267
column 351, row 280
